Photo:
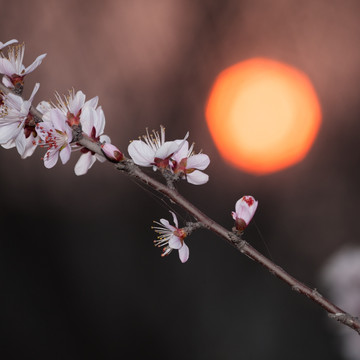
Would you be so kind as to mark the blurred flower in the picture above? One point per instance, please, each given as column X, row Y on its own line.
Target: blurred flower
column 187, row 164
column 341, row 276
column 172, row 238
column 2, row 45
column 154, row 150
column 244, row 211
column 57, row 136
column 13, row 68
column 17, row 125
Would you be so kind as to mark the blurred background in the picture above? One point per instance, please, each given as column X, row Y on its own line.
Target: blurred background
column 80, row 277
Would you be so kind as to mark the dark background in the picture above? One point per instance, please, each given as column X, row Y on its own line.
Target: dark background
column 79, row 276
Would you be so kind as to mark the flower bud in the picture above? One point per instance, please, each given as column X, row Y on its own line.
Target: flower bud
column 244, row 211
column 112, row 152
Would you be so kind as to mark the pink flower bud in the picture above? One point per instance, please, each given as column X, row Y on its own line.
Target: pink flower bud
column 112, row 152
column 244, row 211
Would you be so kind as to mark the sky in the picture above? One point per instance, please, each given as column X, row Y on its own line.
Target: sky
column 79, row 274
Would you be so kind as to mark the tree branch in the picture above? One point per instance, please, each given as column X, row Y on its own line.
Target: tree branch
column 127, row 166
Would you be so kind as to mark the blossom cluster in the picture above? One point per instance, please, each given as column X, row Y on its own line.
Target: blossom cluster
column 175, row 156
column 21, row 128
column 59, row 127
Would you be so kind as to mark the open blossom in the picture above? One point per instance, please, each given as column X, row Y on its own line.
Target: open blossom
column 188, row 164
column 154, row 150
column 72, row 106
column 171, row 237
column 2, row 45
column 244, row 211
column 56, row 134
column 93, row 124
column 13, row 68
column 17, row 125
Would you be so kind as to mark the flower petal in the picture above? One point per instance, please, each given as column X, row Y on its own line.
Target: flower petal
column 77, row 102
column 65, row 154
column 84, row 163
column 141, row 153
column 6, row 67
column 35, row 64
column 175, row 219
column 199, row 161
column 51, row 158
column 197, row 178
column 175, row 242
column 9, row 132
column 184, row 253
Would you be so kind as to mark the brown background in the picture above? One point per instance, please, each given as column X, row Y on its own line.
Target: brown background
column 79, row 275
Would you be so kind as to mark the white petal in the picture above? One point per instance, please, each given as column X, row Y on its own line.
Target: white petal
column 6, row 67
column 92, row 102
column 9, row 132
column 51, row 158
column 35, row 64
column 175, row 219
column 167, row 224
column 104, row 138
column 84, row 163
column 77, row 103
column 6, row 81
column 30, row 146
column 58, row 119
column 7, row 43
column 184, row 253
column 65, row 154
column 35, row 90
column 9, row 145
column 141, row 153
column 182, row 152
column 100, row 121
column 199, row 161
column 20, row 142
column 87, row 120
column 167, row 149
column 197, row 178
column 175, row 242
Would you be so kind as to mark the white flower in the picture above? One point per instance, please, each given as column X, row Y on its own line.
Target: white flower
column 154, row 150
column 72, row 105
column 93, row 124
column 2, row 45
column 244, row 211
column 13, row 68
column 172, row 238
column 17, row 126
column 57, row 136
column 188, row 164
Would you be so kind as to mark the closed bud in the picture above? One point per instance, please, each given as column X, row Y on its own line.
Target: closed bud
column 112, row 152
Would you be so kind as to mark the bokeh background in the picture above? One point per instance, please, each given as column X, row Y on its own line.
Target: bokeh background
column 79, row 276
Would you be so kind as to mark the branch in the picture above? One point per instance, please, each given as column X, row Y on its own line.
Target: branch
column 127, row 166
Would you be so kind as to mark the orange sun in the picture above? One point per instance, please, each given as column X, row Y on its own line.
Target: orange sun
column 263, row 115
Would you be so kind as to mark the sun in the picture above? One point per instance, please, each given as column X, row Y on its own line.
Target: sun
column 263, row 115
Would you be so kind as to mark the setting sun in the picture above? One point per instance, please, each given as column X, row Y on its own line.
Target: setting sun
column 263, row 115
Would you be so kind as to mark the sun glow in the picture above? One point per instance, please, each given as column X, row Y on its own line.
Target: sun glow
column 263, row 115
